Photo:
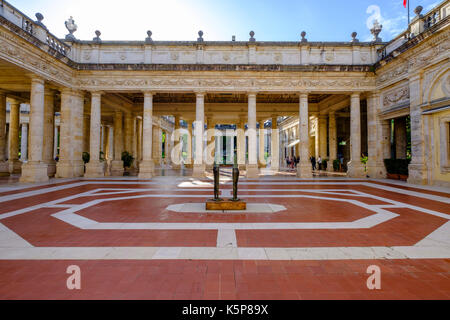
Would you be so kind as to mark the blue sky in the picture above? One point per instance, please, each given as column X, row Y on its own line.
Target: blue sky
column 272, row 20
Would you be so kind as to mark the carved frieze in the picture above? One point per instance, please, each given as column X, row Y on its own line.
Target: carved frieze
column 396, row 96
column 230, row 83
column 393, row 74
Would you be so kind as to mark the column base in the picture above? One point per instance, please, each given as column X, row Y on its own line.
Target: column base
column 417, row 174
column 94, row 169
column 33, row 172
column 241, row 166
column 330, row 165
column 146, row 170
column 252, row 171
column 117, row 168
column 4, row 168
column 355, row 169
column 15, row 166
column 69, row 169
column 199, row 171
column 304, row 171
column 376, row 170
column 51, row 168
column 176, row 166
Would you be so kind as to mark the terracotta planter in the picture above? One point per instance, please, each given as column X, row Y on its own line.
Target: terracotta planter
column 393, row 176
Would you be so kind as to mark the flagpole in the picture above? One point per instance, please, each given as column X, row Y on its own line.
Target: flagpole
column 409, row 21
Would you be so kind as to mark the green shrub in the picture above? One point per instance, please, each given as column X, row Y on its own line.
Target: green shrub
column 336, row 165
column 127, row 159
column 86, row 157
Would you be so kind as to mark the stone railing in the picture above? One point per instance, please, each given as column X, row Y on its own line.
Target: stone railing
column 34, row 28
column 419, row 24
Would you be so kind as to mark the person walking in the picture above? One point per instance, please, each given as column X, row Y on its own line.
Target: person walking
column 319, row 162
column 313, row 162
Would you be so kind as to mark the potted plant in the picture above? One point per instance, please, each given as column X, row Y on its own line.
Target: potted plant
column 127, row 159
column 336, row 165
column 86, row 158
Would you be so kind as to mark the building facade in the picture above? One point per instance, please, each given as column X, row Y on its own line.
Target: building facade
column 181, row 103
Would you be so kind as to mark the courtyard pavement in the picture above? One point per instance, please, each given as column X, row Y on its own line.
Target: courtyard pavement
column 300, row 239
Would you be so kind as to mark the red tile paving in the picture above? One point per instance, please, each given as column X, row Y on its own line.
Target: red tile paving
column 193, row 279
column 218, row 279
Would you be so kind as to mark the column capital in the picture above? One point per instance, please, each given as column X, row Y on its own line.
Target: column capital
column 36, row 79
column 355, row 95
column 303, row 94
column 252, row 93
column 96, row 93
column 148, row 93
column 373, row 94
column 200, row 94
column 70, row 91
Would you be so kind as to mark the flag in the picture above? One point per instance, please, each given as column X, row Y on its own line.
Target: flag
column 405, row 2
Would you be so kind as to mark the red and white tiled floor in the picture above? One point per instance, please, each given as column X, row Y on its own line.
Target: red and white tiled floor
column 299, row 239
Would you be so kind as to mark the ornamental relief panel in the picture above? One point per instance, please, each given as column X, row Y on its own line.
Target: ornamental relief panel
column 40, row 66
column 396, row 96
column 234, row 84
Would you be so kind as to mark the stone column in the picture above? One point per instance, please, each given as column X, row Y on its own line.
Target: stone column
column 241, row 145
column 400, row 137
column 177, row 146
column 128, row 133
column 86, row 128
column 14, row 123
column 4, row 167
column 199, row 164
column 49, row 132
column 135, row 163
column 139, row 140
column 323, row 137
column 35, row 170
column 146, row 166
column 211, row 144
column 70, row 162
column 252, row 166
column 157, row 143
column 275, row 149
column 94, row 169
column 355, row 166
column 378, row 138
column 55, row 142
column 189, row 162
column 262, row 159
column 117, row 163
column 332, row 133
column 24, row 143
column 417, row 169
column 304, row 169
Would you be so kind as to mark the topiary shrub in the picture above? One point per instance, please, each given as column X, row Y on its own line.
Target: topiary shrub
column 397, row 166
column 127, row 159
column 86, row 157
column 336, row 165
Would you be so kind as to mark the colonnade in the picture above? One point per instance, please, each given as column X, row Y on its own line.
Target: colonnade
column 141, row 136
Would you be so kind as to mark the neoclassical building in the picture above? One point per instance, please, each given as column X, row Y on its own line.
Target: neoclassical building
column 190, row 103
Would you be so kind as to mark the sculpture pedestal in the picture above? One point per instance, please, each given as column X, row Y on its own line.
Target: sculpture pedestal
column 226, row 205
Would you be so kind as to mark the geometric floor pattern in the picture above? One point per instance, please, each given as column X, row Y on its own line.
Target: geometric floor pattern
column 154, row 240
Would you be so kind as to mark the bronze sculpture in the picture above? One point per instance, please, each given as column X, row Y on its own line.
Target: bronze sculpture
column 216, row 173
column 235, row 180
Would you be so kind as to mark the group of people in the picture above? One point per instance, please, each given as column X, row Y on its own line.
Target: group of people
column 316, row 165
column 292, row 162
